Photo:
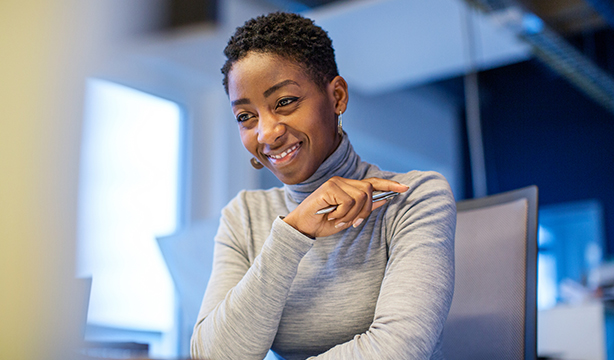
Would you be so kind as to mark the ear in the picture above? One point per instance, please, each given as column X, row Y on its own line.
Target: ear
column 340, row 94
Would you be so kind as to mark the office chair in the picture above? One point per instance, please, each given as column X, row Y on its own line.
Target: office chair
column 189, row 258
column 494, row 309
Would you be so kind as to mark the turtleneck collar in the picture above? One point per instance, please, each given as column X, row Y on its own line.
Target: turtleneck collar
column 343, row 162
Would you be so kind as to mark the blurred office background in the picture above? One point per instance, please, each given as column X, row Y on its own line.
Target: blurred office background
column 119, row 149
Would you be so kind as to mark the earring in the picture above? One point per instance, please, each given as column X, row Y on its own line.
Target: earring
column 256, row 164
column 340, row 124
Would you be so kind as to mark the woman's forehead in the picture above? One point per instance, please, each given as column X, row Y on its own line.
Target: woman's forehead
column 260, row 71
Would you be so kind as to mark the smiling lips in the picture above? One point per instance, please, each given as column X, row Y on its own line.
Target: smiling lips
column 283, row 155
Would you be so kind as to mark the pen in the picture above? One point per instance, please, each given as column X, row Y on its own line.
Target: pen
column 377, row 197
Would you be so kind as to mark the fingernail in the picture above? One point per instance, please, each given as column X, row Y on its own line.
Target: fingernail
column 357, row 222
column 339, row 225
column 331, row 219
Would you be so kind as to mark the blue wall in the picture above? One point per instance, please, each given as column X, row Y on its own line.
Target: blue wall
column 538, row 129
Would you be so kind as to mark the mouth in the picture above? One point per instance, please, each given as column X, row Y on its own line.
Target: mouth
column 284, row 155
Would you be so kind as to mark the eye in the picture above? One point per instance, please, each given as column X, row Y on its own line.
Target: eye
column 286, row 101
column 244, row 117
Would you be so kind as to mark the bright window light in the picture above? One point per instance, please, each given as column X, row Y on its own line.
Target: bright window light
column 129, row 195
column 571, row 241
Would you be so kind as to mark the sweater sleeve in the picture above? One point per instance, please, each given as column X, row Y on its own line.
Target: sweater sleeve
column 418, row 284
column 243, row 302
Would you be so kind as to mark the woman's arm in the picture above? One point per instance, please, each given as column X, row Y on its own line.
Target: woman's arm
column 243, row 303
column 242, row 306
column 417, row 288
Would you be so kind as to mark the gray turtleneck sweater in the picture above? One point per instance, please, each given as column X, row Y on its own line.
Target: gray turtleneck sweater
column 379, row 291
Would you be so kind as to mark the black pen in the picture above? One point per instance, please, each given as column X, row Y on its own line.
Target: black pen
column 376, row 197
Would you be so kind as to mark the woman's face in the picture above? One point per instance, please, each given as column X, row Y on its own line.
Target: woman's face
column 285, row 120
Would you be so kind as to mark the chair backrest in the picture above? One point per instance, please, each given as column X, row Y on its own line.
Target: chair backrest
column 494, row 309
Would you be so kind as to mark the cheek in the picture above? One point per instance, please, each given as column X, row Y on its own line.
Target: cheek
column 248, row 140
column 327, row 121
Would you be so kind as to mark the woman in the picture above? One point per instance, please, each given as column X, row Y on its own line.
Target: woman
column 365, row 281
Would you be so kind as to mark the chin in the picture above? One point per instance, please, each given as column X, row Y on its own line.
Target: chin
column 288, row 181
column 291, row 179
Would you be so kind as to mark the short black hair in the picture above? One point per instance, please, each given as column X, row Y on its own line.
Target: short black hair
column 287, row 35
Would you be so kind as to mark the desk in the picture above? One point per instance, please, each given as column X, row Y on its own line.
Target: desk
column 112, row 350
column 576, row 332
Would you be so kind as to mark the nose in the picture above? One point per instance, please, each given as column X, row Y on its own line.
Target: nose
column 270, row 129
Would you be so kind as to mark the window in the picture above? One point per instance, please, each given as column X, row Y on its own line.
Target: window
column 129, row 193
column 571, row 240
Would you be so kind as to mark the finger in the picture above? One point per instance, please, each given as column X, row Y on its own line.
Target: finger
column 375, row 184
column 386, row 185
column 304, row 217
column 348, row 209
column 333, row 193
column 355, row 211
column 353, row 198
column 367, row 207
column 379, row 204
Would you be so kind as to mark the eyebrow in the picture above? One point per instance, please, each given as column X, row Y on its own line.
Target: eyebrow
column 240, row 102
column 278, row 86
column 266, row 93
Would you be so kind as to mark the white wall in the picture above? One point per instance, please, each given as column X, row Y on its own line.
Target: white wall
column 412, row 129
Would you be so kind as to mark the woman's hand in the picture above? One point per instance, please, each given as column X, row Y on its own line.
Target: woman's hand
column 354, row 204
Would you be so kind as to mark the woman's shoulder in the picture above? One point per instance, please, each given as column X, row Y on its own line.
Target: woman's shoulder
column 252, row 200
column 413, row 178
column 260, row 194
column 424, row 187
column 429, row 201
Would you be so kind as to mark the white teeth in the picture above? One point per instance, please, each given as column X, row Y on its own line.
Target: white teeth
column 285, row 153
